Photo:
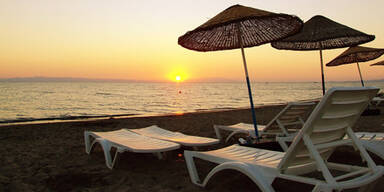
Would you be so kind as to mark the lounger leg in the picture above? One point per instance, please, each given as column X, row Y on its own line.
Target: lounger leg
column 107, row 148
column 87, row 142
column 217, row 131
column 188, row 155
column 159, row 155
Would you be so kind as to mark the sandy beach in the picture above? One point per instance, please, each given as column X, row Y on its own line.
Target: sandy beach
column 51, row 156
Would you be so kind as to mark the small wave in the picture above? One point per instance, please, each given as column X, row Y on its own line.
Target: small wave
column 202, row 109
column 100, row 93
column 62, row 118
column 223, row 108
column 161, row 105
column 124, row 109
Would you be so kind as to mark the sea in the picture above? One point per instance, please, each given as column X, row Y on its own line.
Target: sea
column 41, row 101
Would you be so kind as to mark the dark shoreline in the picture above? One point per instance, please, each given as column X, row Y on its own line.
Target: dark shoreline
column 62, row 118
column 94, row 117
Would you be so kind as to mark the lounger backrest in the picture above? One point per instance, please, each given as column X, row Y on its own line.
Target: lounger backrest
column 325, row 129
column 290, row 119
column 155, row 130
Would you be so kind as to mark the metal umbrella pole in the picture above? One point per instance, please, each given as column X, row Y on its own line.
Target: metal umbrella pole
column 248, row 82
column 322, row 69
column 361, row 77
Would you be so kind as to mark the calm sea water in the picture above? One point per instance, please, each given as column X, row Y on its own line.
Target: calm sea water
column 22, row 101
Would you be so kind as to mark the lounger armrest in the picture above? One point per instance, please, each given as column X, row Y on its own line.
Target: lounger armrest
column 364, row 181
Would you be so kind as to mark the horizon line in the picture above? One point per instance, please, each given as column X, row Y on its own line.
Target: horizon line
column 206, row 80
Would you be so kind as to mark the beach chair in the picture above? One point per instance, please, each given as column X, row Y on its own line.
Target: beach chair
column 185, row 140
column 124, row 140
column 287, row 121
column 325, row 129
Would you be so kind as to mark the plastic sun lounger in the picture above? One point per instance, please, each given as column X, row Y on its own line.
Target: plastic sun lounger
column 373, row 142
column 124, row 140
column 288, row 120
column 325, row 129
column 186, row 140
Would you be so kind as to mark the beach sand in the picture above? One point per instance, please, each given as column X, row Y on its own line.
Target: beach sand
column 51, row 156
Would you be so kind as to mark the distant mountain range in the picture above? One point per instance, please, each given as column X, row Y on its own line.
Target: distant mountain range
column 62, row 79
column 72, row 79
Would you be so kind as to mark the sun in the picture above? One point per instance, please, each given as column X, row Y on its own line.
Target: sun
column 177, row 75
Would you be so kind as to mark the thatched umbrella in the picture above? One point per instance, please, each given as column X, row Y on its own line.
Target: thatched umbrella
column 356, row 54
column 378, row 63
column 240, row 27
column 321, row 33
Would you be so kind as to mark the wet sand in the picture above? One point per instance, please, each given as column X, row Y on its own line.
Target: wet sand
column 51, row 156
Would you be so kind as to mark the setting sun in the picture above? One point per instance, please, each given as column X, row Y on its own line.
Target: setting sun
column 177, row 75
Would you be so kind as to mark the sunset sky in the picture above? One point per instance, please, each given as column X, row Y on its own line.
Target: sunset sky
column 137, row 39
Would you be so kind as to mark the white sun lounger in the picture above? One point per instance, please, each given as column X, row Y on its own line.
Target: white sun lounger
column 186, row 140
column 373, row 142
column 288, row 120
column 124, row 140
column 325, row 129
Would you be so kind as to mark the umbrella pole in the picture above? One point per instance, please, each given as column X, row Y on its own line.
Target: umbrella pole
column 250, row 93
column 322, row 70
column 248, row 83
column 361, row 77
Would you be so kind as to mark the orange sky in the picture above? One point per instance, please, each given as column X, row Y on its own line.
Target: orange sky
column 138, row 40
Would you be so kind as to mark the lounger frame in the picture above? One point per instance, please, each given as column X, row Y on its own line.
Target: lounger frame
column 124, row 140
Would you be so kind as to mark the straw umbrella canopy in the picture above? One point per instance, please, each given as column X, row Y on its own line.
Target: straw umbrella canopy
column 321, row 33
column 355, row 55
column 240, row 27
column 378, row 63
